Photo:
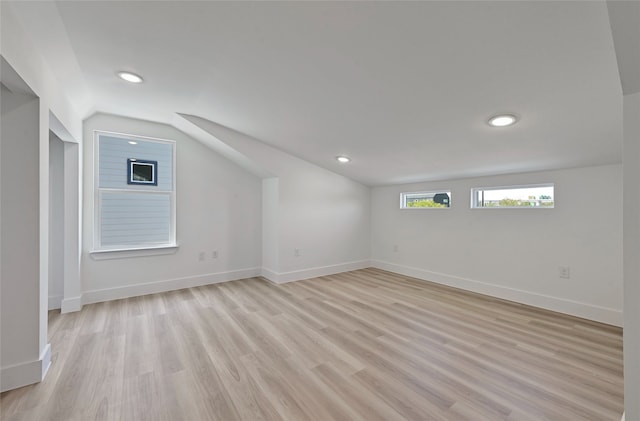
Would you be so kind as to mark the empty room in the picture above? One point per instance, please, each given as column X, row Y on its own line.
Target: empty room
column 320, row 210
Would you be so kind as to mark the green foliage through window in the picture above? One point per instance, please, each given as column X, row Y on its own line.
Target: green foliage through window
column 427, row 199
column 426, row 203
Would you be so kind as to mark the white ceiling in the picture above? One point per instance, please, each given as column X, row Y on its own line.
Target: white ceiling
column 403, row 88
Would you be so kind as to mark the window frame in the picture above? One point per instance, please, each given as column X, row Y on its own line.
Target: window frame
column 132, row 162
column 101, row 252
column 474, row 190
column 403, row 201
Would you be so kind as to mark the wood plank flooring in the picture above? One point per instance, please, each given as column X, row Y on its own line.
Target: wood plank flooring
column 363, row 345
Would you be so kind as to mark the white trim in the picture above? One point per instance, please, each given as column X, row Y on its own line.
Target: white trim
column 403, row 199
column 56, row 126
column 131, row 191
column 55, row 302
column 45, row 359
column 69, row 305
column 134, row 136
column 513, row 207
column 515, row 186
column 26, row 373
column 108, row 294
column 298, row 275
column 474, row 190
column 72, row 219
column 20, row 375
column 269, row 275
column 134, row 252
column 588, row 311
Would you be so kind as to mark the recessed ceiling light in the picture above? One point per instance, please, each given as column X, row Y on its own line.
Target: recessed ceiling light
column 343, row 159
column 131, row 142
column 130, row 77
column 502, row 120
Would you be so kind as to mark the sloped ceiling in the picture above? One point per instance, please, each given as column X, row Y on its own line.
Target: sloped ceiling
column 403, row 88
column 625, row 27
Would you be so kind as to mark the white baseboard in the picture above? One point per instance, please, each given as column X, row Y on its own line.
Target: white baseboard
column 45, row 358
column 270, row 275
column 108, row 294
column 55, row 302
column 27, row 373
column 561, row 305
column 69, row 305
column 298, row 275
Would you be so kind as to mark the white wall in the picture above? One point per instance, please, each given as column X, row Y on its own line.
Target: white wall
column 324, row 215
column 270, row 230
column 514, row 253
column 24, row 70
column 631, row 162
column 219, row 207
column 56, row 221
column 72, row 300
column 18, row 49
column 20, row 239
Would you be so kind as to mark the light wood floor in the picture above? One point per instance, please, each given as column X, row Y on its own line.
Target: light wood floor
column 365, row 345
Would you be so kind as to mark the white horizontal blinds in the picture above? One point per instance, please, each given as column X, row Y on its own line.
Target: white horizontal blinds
column 134, row 215
column 135, row 218
column 113, row 155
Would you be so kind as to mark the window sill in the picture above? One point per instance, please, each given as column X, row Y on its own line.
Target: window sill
column 127, row 253
column 425, row 208
column 513, row 207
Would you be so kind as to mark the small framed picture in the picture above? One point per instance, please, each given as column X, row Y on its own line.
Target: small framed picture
column 140, row 171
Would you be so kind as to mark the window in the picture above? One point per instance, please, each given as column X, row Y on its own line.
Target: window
column 134, row 192
column 423, row 200
column 532, row 196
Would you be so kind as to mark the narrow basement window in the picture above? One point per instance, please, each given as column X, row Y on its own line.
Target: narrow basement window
column 439, row 199
column 535, row 196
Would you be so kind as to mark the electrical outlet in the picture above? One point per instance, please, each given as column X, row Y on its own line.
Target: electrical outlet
column 564, row 272
column 214, row 254
column 395, row 248
column 296, row 252
column 201, row 256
